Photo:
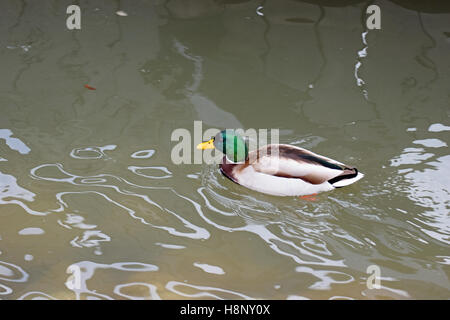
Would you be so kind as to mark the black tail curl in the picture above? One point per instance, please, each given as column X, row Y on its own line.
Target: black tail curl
column 344, row 176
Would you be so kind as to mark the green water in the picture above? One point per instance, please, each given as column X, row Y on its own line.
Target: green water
column 87, row 180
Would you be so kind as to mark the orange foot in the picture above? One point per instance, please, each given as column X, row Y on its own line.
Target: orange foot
column 309, row 197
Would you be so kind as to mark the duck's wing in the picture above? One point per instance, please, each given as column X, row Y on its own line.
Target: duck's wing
column 293, row 162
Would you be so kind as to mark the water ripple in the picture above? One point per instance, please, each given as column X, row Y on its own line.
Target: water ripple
column 197, row 232
column 205, row 291
column 85, row 270
column 12, row 273
column 9, row 189
column 92, row 152
column 151, row 294
column 136, row 170
column 143, row 154
column 36, row 295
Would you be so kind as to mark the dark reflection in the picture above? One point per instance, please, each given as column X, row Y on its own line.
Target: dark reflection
column 266, row 41
column 333, row 3
column 299, row 20
column 424, row 58
column 430, row 6
column 190, row 9
column 233, row 41
column 231, row 1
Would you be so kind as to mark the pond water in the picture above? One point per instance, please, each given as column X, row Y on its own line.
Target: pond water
column 93, row 207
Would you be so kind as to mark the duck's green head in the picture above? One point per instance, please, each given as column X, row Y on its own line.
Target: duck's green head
column 230, row 143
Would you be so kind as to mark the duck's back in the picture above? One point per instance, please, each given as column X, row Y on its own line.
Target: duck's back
column 289, row 170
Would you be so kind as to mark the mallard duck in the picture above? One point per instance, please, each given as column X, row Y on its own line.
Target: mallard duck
column 279, row 169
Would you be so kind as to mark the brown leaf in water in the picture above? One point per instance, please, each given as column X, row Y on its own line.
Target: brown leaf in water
column 89, row 87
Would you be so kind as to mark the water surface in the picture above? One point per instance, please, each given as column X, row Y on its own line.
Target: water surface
column 87, row 181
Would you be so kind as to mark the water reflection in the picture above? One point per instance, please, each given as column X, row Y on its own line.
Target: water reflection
column 12, row 273
column 36, row 295
column 209, row 268
column 203, row 292
column 92, row 152
column 150, row 294
column 428, row 186
column 86, row 178
column 12, row 193
column 14, row 143
column 87, row 269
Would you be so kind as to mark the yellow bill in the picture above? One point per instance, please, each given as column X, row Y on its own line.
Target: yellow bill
column 206, row 145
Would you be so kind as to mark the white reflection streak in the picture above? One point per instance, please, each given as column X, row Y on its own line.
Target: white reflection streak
column 341, row 298
column 438, row 127
column 100, row 151
column 10, row 189
column 411, row 156
column 431, row 143
column 143, row 154
column 210, row 206
column 76, row 221
column 325, row 280
column 307, row 241
column 361, row 54
column 172, row 284
column 14, row 143
column 151, row 290
column 85, row 241
column 39, row 295
column 397, row 291
column 428, row 188
column 259, row 11
column 135, row 169
column 209, row 268
column 268, row 237
column 10, row 271
column 200, row 233
column 170, row 246
column 88, row 268
column 385, row 291
column 4, row 290
column 72, row 179
column 131, row 212
column 444, row 260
